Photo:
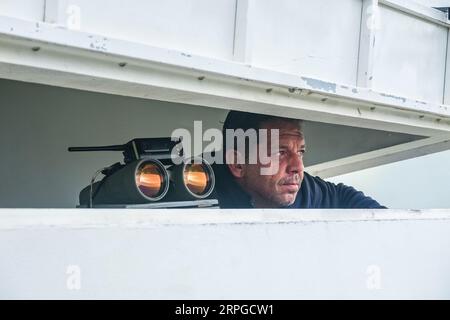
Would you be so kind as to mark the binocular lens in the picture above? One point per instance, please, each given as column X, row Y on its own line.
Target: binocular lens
column 151, row 180
column 197, row 178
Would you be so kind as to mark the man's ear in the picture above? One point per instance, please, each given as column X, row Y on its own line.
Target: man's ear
column 235, row 163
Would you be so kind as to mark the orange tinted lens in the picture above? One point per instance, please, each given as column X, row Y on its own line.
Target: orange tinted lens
column 196, row 178
column 150, row 180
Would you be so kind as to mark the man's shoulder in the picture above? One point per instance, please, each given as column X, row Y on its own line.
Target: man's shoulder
column 316, row 182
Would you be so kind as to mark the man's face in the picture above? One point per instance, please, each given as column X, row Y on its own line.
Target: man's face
column 281, row 188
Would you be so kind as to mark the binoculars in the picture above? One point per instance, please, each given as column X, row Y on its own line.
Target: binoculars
column 149, row 175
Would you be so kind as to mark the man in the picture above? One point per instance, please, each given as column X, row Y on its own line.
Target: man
column 240, row 184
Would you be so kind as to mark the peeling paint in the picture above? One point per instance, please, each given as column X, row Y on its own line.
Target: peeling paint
column 359, row 111
column 324, row 99
column 344, row 87
column 393, row 97
column 201, row 78
column 320, row 85
column 99, row 45
column 305, row 92
column 269, row 90
column 354, row 90
column 185, row 55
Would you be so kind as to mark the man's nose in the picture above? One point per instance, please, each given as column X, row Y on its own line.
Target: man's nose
column 295, row 163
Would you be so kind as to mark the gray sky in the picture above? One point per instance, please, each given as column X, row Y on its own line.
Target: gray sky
column 418, row 183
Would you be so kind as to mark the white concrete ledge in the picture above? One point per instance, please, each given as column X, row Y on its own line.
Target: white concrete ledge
column 224, row 254
column 151, row 218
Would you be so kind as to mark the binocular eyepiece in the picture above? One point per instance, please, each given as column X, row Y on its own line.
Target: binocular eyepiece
column 193, row 179
column 149, row 180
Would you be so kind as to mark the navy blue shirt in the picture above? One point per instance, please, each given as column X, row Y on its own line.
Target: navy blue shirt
column 314, row 193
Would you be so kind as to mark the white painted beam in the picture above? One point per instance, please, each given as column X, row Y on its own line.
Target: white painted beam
column 381, row 156
column 434, row 3
column 419, row 10
column 242, row 48
column 369, row 25
column 52, row 11
column 41, row 53
column 446, row 97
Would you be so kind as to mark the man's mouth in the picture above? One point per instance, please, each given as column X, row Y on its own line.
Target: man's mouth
column 291, row 186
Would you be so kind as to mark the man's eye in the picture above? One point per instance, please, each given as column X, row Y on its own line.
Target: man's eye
column 301, row 152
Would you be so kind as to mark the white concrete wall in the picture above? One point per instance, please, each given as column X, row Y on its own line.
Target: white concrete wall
column 409, row 56
column 196, row 26
column 317, row 39
column 212, row 254
column 24, row 9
